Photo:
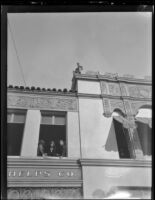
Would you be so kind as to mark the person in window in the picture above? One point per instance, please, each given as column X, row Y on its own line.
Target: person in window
column 52, row 149
column 41, row 148
column 61, row 152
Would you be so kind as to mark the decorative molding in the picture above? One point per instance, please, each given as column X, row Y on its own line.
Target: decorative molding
column 127, row 107
column 44, row 193
column 114, row 89
column 41, row 161
column 123, row 88
column 117, row 104
column 116, row 163
column 104, row 87
column 113, row 79
column 106, row 108
column 39, row 102
column 140, row 91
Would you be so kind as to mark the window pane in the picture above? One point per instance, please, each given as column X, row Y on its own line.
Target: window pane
column 19, row 118
column 14, row 138
column 46, row 120
column 9, row 117
column 60, row 120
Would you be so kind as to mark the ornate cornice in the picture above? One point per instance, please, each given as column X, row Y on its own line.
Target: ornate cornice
column 116, row 163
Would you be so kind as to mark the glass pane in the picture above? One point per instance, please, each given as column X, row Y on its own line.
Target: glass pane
column 9, row 117
column 60, row 120
column 46, row 120
column 19, row 118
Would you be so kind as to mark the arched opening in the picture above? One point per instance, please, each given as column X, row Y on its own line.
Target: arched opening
column 143, row 120
column 122, row 134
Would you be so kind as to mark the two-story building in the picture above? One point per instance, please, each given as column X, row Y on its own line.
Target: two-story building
column 107, row 141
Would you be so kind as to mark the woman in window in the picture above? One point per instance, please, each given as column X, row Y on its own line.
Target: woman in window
column 41, row 148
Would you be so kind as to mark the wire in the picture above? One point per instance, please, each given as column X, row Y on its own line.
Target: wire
column 14, row 44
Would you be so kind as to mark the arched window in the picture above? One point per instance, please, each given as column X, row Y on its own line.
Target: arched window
column 143, row 120
column 122, row 134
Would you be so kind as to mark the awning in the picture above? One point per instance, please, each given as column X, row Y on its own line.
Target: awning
column 125, row 122
column 143, row 120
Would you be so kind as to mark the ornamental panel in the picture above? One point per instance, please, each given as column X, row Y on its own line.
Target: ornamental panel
column 45, row 193
column 114, row 89
column 51, row 103
column 104, row 87
column 117, row 104
column 140, row 91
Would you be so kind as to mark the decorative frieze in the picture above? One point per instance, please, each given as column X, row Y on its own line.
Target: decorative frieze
column 117, row 104
column 123, row 89
column 45, row 193
column 140, row 91
column 114, row 89
column 104, row 87
column 50, row 103
column 106, row 108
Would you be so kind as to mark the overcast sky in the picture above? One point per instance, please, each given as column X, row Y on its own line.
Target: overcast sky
column 50, row 45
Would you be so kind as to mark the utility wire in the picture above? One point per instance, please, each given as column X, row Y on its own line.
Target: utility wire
column 14, row 44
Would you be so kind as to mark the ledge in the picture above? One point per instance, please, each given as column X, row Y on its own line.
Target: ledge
column 116, row 163
column 44, row 183
column 41, row 162
column 112, row 97
column 51, row 93
column 113, row 79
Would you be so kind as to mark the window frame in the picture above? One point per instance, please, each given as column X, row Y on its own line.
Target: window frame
column 13, row 112
column 56, row 113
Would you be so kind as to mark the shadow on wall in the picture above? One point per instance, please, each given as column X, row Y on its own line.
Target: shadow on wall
column 111, row 143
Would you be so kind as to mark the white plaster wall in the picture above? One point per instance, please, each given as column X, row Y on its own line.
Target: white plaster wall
column 101, row 178
column 89, row 87
column 31, row 133
column 73, row 139
column 95, row 129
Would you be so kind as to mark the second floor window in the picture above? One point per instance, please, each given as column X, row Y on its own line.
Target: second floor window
column 15, row 129
column 52, row 137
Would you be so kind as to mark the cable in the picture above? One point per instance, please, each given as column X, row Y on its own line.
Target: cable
column 20, row 66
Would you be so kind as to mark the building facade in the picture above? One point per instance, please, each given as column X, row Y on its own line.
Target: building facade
column 107, row 144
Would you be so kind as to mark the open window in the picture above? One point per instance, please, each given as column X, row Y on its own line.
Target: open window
column 52, row 136
column 144, row 129
column 15, row 129
column 122, row 135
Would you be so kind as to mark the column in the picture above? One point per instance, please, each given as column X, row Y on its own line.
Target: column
column 135, row 139
column 31, row 133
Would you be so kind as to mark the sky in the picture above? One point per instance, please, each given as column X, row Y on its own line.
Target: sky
column 50, row 44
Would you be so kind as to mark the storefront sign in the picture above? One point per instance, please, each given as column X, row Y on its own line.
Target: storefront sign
column 36, row 173
column 52, row 173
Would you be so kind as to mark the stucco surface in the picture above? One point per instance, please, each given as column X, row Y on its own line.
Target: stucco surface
column 98, row 138
column 101, row 179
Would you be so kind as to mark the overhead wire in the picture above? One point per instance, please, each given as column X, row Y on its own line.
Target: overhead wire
column 18, row 59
